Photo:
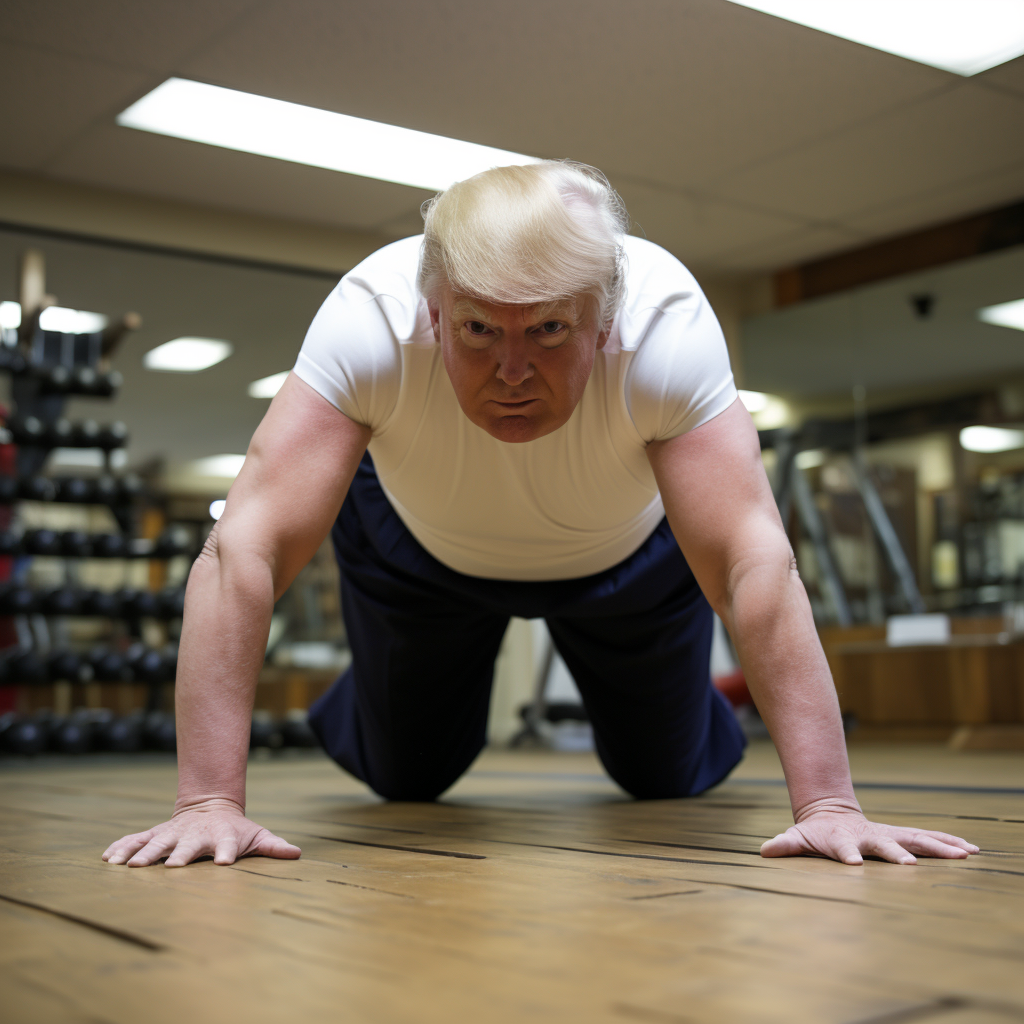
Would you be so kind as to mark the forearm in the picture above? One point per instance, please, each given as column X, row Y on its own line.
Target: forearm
column 769, row 618
column 228, row 604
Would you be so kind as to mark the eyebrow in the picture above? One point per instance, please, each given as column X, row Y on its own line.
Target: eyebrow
column 542, row 311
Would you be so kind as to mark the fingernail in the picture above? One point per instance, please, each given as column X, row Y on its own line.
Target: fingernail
column 115, row 859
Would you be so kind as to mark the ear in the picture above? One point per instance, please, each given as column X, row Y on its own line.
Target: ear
column 603, row 335
column 433, row 306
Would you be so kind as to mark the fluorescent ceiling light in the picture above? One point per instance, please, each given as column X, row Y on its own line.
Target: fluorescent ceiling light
column 217, row 508
column 991, row 439
column 308, row 135
column 962, row 36
column 267, row 387
column 10, row 315
column 754, row 401
column 1006, row 314
column 218, row 465
column 187, row 355
column 810, row 459
column 55, row 318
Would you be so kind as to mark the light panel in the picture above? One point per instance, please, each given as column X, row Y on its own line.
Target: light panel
column 755, row 401
column 307, row 135
column 217, row 508
column 962, row 36
column 54, row 318
column 810, row 459
column 1006, row 314
column 991, row 439
column 187, row 355
column 267, row 387
column 218, row 465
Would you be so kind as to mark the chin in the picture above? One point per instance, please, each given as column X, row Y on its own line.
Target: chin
column 516, row 429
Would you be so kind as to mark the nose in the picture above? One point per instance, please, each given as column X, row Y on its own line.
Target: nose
column 514, row 364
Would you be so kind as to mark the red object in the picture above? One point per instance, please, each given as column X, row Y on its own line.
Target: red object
column 733, row 687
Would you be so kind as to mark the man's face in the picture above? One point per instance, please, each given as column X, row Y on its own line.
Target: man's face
column 518, row 371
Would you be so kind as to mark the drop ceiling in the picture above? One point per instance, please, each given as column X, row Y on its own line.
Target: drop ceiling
column 739, row 141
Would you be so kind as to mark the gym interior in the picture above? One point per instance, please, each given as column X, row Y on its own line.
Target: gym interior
column 847, row 188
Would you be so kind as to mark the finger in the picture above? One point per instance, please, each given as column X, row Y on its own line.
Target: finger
column 785, row 844
column 945, row 837
column 887, row 849
column 226, row 851
column 274, row 846
column 927, row 846
column 846, row 852
column 152, row 851
column 119, row 852
column 184, row 853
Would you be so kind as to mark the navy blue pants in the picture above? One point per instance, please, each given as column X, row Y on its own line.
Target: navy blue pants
column 410, row 714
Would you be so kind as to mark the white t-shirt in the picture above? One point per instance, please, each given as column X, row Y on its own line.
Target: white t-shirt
column 569, row 504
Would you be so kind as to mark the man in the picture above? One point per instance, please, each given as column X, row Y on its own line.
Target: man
column 554, row 432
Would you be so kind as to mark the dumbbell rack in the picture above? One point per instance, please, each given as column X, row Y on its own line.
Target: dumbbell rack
column 60, row 692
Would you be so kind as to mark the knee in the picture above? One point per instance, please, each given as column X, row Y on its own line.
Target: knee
column 407, row 786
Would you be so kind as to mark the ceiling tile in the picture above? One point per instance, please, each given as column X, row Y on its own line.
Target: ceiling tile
column 788, row 249
column 1007, row 76
column 152, row 35
column 139, row 161
column 674, row 92
column 983, row 192
column 696, row 230
column 891, row 159
column 49, row 99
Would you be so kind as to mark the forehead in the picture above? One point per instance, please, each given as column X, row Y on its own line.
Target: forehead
column 481, row 309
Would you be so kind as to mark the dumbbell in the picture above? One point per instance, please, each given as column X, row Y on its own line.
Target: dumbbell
column 10, row 542
column 54, row 380
column 172, row 602
column 168, row 546
column 9, row 489
column 295, row 731
column 84, row 380
column 158, row 732
column 264, row 733
column 24, row 736
column 107, row 384
column 42, row 542
column 130, row 487
column 122, row 735
column 72, row 734
column 102, row 602
column 61, row 601
column 86, row 434
column 113, row 435
column 12, row 361
column 60, row 433
column 27, row 430
column 148, row 665
column 109, row 666
column 74, row 489
column 75, row 544
column 139, row 604
column 25, row 668
column 16, row 599
column 109, row 545
column 67, row 666
column 106, row 490
column 37, row 488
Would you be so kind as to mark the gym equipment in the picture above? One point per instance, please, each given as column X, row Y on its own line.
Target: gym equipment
column 75, row 544
column 295, row 731
column 122, row 735
column 109, row 545
column 16, row 599
column 71, row 735
column 67, row 666
column 61, row 601
column 25, row 736
column 41, row 542
column 108, row 666
column 158, row 731
column 264, row 733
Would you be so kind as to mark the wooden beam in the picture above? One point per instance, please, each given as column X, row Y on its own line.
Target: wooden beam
column 919, row 250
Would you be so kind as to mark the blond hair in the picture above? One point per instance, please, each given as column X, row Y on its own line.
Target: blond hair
column 523, row 235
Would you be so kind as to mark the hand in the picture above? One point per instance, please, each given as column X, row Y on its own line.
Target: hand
column 839, row 830
column 214, row 826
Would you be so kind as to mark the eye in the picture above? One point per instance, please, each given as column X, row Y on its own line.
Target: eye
column 551, row 333
column 476, row 334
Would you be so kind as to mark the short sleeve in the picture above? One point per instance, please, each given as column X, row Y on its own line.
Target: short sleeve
column 679, row 376
column 352, row 351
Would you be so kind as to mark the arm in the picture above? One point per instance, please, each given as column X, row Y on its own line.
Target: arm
column 297, row 471
column 721, row 511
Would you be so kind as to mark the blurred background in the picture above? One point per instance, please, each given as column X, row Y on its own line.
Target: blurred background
column 849, row 194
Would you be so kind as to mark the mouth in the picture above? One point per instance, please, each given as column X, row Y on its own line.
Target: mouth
column 516, row 405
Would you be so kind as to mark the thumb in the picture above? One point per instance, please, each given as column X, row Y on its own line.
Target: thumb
column 274, row 846
column 786, row 844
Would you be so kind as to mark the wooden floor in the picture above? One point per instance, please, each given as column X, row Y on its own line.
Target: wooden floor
column 534, row 892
